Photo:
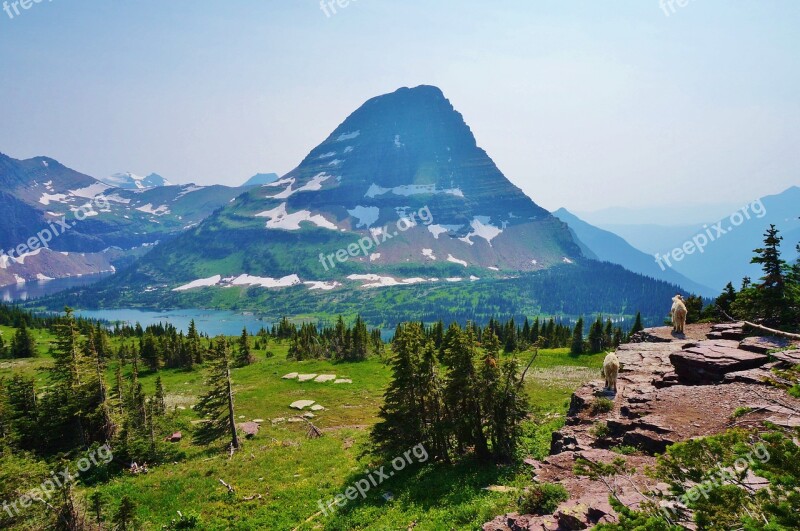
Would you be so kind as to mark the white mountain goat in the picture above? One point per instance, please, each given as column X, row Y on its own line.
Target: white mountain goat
column 610, row 371
column 678, row 314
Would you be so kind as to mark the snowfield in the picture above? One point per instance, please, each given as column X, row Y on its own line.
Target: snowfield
column 279, row 218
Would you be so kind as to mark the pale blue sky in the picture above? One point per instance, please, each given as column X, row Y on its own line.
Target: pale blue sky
column 583, row 104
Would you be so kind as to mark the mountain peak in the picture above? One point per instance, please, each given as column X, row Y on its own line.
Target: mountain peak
column 131, row 181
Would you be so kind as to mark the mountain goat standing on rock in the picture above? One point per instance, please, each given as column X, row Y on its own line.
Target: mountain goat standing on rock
column 610, row 371
column 678, row 314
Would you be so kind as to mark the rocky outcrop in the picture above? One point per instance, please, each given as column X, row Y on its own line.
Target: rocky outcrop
column 671, row 388
column 709, row 361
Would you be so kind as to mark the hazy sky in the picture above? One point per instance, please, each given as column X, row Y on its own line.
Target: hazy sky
column 583, row 104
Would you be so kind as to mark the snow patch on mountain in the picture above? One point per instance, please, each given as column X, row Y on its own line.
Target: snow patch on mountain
column 155, row 211
column 481, row 228
column 324, row 286
column 453, row 259
column 437, row 230
column 428, row 253
column 411, row 189
column 91, row 191
column 366, row 216
column 314, row 185
column 348, row 136
column 266, row 282
column 46, row 199
column 200, row 283
column 279, row 218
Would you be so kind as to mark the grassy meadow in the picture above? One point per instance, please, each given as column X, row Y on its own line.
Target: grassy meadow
column 281, row 474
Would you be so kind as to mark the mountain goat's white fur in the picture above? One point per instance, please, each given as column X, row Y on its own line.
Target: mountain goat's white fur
column 678, row 314
column 610, row 371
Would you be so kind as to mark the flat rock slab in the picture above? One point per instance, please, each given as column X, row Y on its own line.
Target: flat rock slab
column 302, row 404
column 306, row 377
column 709, row 361
column 317, row 407
column 791, row 357
column 763, row 345
column 343, row 381
column 322, row 378
column 290, row 376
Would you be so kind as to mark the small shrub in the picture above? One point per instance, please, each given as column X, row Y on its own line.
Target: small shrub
column 741, row 412
column 543, row 498
column 623, row 449
column 600, row 430
column 183, row 522
column 269, row 354
column 601, row 405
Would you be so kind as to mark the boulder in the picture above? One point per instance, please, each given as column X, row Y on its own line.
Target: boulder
column 709, row 361
column 250, row 429
column 175, row 437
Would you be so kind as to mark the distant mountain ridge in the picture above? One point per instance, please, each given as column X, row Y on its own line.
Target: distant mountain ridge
column 261, row 179
column 131, row 181
column 608, row 247
column 40, row 194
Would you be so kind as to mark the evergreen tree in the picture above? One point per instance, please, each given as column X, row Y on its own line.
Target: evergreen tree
column 24, row 344
column 360, row 341
column 637, row 325
column 124, row 518
column 402, row 416
column 576, row 347
column 596, row 336
column 195, row 349
column 149, row 352
column 160, row 404
column 244, row 355
column 216, row 406
column 462, row 395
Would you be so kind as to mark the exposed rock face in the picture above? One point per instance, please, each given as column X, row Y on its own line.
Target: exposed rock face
column 709, row 361
column 671, row 388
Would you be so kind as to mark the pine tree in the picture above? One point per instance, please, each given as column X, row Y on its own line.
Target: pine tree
column 637, row 325
column 148, row 350
column 244, row 355
column 195, row 347
column 402, row 416
column 772, row 304
column 125, row 516
column 462, row 396
column 596, row 336
column 216, row 406
column 23, row 345
column 576, row 347
column 360, row 341
column 160, row 404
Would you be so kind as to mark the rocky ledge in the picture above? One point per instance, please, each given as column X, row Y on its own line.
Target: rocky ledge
column 671, row 388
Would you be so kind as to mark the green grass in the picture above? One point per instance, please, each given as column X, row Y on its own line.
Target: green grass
column 287, row 473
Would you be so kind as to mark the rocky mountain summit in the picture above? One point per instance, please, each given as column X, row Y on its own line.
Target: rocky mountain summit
column 670, row 389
